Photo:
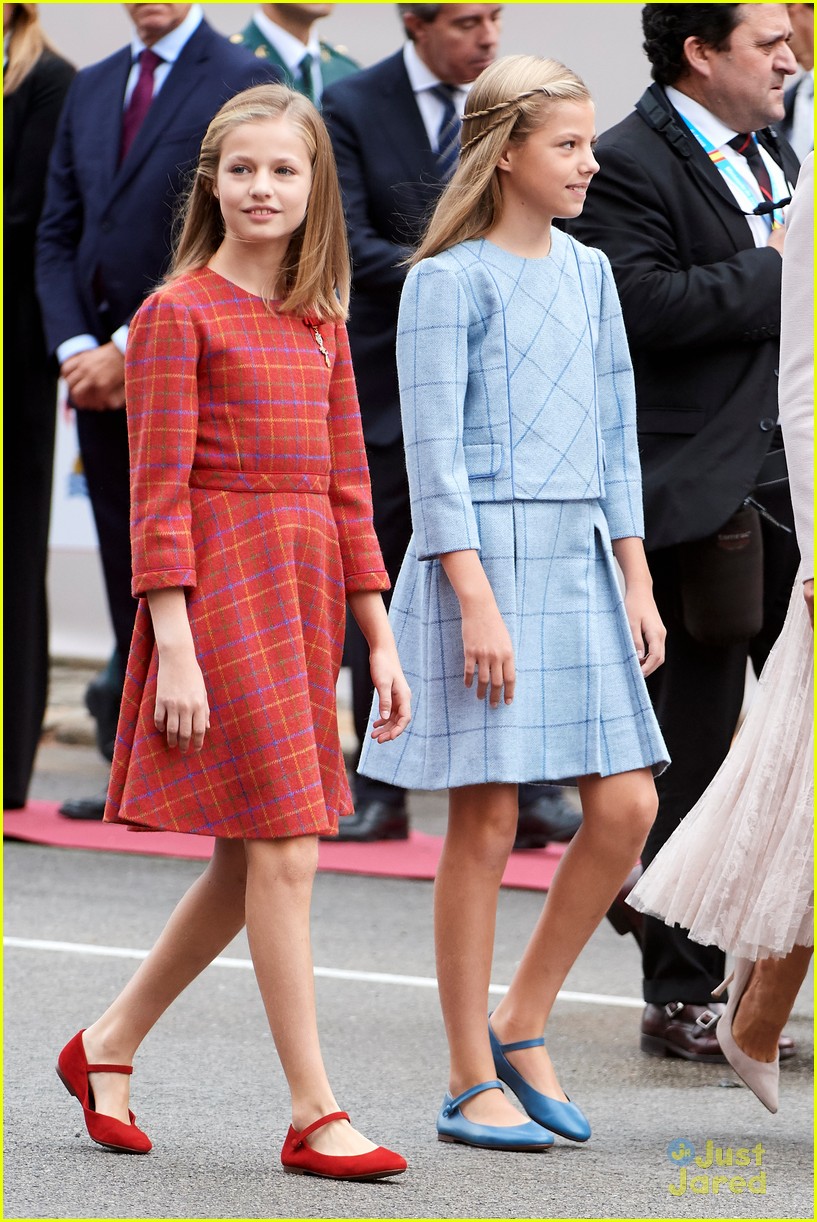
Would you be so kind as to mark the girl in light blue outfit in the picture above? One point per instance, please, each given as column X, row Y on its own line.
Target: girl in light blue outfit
column 525, row 661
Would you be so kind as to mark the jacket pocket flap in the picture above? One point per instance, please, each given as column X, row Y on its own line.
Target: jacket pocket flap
column 482, row 461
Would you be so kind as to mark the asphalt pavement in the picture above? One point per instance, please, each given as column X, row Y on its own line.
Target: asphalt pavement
column 209, row 1090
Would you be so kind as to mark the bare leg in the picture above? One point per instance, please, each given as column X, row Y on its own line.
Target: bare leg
column 617, row 814
column 279, row 893
column 204, row 922
column 481, row 826
column 767, row 1002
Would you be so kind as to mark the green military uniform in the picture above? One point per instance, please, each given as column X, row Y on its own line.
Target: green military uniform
column 335, row 63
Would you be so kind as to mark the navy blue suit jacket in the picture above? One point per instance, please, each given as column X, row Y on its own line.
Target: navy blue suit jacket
column 106, row 228
column 390, row 182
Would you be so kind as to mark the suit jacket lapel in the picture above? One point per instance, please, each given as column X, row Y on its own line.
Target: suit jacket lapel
column 708, row 176
column 402, row 119
column 110, row 104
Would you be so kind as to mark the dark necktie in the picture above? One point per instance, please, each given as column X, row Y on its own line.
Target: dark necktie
column 745, row 144
column 307, row 80
column 140, row 100
column 448, row 134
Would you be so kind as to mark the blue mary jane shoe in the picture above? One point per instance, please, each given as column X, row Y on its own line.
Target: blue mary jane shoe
column 563, row 1118
column 453, row 1126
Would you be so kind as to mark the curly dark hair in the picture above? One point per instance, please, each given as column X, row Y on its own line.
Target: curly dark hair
column 667, row 27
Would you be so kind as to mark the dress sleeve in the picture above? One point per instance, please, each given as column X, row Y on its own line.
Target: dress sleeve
column 161, row 393
column 622, row 501
column 432, row 368
column 797, row 361
column 349, row 487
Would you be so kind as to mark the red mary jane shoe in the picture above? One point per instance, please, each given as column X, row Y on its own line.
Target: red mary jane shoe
column 73, row 1070
column 300, row 1158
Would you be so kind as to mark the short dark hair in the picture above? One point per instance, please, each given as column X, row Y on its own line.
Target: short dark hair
column 667, row 27
column 426, row 13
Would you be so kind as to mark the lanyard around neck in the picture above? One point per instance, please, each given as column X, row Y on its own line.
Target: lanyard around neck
column 775, row 219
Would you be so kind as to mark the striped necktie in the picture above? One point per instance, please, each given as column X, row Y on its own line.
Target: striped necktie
column 745, row 144
column 448, row 134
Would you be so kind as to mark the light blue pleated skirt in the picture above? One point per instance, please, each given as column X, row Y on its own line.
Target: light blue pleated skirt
column 581, row 704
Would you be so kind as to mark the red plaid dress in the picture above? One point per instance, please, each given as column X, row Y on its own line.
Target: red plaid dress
column 249, row 488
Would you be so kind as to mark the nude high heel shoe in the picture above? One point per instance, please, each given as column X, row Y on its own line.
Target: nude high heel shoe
column 762, row 1077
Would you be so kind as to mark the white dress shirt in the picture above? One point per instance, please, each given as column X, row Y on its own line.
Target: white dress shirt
column 422, row 79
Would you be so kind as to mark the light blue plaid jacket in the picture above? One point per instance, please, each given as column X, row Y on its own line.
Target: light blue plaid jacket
column 515, row 384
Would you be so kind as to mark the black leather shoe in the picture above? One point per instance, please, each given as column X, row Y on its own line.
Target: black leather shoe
column 84, row 808
column 548, row 818
column 621, row 916
column 374, row 820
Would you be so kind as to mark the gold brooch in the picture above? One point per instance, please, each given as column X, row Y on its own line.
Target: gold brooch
column 313, row 327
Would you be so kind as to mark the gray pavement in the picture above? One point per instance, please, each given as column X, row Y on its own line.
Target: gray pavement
column 209, row 1090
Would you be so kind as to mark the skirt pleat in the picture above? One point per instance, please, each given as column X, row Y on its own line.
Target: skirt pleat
column 581, row 705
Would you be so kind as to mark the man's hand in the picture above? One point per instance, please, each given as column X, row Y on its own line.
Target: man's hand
column 777, row 238
column 96, row 378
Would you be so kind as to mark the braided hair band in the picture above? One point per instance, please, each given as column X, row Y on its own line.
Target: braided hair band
column 497, row 110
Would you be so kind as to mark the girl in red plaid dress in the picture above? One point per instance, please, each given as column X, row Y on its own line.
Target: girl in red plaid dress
column 251, row 526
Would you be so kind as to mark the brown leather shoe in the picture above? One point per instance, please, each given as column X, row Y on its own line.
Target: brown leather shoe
column 678, row 1030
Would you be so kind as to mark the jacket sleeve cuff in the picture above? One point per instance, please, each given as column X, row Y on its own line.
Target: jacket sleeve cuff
column 358, row 583
column 164, row 579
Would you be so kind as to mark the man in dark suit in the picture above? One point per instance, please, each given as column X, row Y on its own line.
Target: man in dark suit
column 394, row 129
column 128, row 137
column 695, row 242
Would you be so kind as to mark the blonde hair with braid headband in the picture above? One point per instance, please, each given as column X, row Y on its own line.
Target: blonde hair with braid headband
column 507, row 102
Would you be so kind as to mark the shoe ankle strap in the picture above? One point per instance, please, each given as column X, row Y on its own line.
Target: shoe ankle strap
column 456, row 1104
column 127, row 1069
column 516, row 1047
column 318, row 1124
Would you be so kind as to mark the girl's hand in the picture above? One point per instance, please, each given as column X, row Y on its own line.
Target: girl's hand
column 488, row 652
column 649, row 633
column 393, row 694
column 181, row 711
column 808, row 594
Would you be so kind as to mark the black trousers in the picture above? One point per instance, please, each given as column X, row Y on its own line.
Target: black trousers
column 697, row 695
column 103, row 444
column 30, row 404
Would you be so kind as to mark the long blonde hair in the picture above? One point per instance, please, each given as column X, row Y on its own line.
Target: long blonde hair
column 314, row 277
column 26, row 45
column 507, row 102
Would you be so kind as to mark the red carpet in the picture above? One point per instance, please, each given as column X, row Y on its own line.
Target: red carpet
column 416, row 857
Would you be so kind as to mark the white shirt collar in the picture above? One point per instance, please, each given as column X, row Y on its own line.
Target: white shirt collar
column 291, row 49
column 171, row 46
column 709, row 125
column 421, row 78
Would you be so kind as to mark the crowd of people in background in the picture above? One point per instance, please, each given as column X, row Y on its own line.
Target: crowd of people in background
column 679, row 213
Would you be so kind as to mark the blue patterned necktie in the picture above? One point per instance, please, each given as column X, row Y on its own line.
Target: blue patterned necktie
column 448, row 134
